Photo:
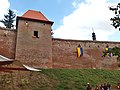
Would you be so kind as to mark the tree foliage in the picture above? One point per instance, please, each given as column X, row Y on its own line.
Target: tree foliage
column 115, row 51
column 116, row 19
column 116, row 23
column 9, row 18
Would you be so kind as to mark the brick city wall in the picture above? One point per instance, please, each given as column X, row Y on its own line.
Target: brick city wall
column 64, row 54
column 7, row 42
column 32, row 51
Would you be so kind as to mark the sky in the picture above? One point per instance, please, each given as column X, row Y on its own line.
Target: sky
column 73, row 19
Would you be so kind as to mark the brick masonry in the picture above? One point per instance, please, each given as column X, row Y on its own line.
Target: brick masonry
column 56, row 53
column 64, row 54
column 32, row 51
column 7, row 42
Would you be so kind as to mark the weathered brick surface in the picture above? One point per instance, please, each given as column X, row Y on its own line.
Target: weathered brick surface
column 7, row 42
column 36, row 52
column 56, row 53
column 64, row 54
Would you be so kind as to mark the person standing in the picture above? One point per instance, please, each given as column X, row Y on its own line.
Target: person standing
column 105, row 86
column 108, row 86
column 88, row 87
column 118, row 86
column 97, row 87
column 101, row 87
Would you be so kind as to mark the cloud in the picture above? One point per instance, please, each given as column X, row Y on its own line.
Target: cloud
column 4, row 6
column 87, row 15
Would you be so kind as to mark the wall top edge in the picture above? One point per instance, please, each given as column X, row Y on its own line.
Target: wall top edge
column 8, row 29
column 91, row 41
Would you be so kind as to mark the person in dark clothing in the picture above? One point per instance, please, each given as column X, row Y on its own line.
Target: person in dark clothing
column 105, row 87
column 108, row 86
column 88, row 87
column 101, row 87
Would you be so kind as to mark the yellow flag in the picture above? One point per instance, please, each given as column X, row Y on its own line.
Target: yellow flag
column 106, row 50
column 78, row 51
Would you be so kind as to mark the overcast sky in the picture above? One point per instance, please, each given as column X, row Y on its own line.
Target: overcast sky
column 74, row 19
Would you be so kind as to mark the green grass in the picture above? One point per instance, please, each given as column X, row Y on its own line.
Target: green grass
column 58, row 79
column 76, row 79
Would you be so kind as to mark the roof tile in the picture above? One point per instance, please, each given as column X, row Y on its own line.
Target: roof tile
column 31, row 14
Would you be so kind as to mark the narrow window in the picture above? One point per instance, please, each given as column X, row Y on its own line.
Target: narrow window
column 36, row 34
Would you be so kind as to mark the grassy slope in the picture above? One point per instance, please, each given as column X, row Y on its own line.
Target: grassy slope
column 76, row 79
column 58, row 79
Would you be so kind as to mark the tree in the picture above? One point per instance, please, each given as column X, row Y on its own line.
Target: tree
column 9, row 19
column 115, row 51
column 116, row 19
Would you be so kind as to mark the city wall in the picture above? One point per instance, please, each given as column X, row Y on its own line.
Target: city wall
column 7, row 42
column 64, row 54
column 34, row 51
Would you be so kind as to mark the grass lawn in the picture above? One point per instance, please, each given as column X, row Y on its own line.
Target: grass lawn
column 76, row 79
column 58, row 79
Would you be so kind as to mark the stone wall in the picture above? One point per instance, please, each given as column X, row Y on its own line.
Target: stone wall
column 64, row 54
column 37, row 51
column 32, row 51
column 7, row 42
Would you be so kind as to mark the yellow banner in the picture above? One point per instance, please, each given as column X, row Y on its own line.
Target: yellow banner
column 78, row 52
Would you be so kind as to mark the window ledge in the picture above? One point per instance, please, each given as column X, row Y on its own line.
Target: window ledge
column 34, row 37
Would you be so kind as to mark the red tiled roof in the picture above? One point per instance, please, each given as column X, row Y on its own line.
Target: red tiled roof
column 31, row 14
column 35, row 16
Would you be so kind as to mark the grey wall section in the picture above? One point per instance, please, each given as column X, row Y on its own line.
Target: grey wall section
column 65, row 54
column 35, row 52
column 7, row 42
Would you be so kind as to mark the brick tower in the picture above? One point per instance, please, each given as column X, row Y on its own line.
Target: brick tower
column 34, row 41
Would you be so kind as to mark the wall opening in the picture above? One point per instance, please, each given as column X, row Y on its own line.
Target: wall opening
column 35, row 34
